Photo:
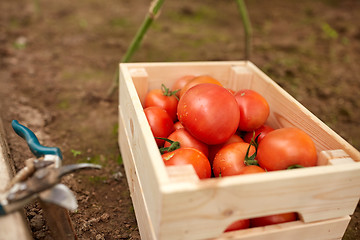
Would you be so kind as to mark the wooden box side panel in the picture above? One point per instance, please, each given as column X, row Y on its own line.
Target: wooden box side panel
column 148, row 166
column 136, row 192
column 323, row 230
column 209, row 206
column 168, row 73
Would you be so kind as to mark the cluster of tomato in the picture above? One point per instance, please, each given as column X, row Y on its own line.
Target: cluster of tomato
column 222, row 132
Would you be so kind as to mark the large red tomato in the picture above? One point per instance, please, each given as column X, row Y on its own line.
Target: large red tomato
column 209, row 112
column 160, row 123
column 184, row 156
column 286, row 147
column 254, row 109
column 186, row 140
column 230, row 160
column 163, row 98
column 273, row 219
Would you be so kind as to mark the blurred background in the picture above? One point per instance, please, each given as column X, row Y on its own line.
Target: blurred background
column 58, row 60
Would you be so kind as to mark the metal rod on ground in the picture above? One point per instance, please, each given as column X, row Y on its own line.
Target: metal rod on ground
column 247, row 27
column 150, row 17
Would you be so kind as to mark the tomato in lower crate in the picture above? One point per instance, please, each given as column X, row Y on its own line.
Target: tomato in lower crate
column 214, row 149
column 160, row 123
column 184, row 156
column 186, row 140
column 198, row 80
column 254, row 109
column 164, row 98
column 286, row 148
column 209, row 112
column 273, row 219
column 263, row 131
column 238, row 225
column 230, row 160
column 181, row 82
column 251, row 169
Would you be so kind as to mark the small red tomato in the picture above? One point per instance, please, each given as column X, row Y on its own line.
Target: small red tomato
column 252, row 169
column 160, row 123
column 209, row 112
column 254, row 109
column 180, row 83
column 198, row 80
column 273, row 219
column 163, row 98
column 184, row 156
column 230, row 160
column 186, row 140
column 286, row 147
column 238, row 225
column 263, row 130
column 214, row 149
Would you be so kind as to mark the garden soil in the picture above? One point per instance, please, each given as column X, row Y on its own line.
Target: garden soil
column 58, row 60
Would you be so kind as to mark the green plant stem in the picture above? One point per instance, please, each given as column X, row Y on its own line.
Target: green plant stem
column 247, row 27
column 155, row 6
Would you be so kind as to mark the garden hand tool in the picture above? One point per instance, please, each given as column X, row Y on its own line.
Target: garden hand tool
column 40, row 177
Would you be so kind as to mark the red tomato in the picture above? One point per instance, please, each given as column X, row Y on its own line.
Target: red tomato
column 273, row 219
column 254, row 109
column 213, row 149
column 230, row 160
column 199, row 80
column 263, row 130
column 163, row 98
column 160, row 123
column 238, row 225
column 209, row 112
column 183, row 156
column 181, row 82
column 186, row 140
column 252, row 169
column 286, row 147
column 178, row 125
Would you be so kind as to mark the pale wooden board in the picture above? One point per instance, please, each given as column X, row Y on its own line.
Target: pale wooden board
column 211, row 205
column 12, row 226
column 332, row 229
column 136, row 191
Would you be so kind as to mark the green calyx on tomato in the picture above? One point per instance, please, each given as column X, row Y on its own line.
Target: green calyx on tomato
column 167, row 92
column 174, row 145
column 250, row 160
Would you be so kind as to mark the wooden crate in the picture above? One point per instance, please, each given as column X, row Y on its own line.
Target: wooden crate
column 172, row 203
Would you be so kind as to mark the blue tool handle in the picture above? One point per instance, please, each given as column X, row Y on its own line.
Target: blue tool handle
column 35, row 147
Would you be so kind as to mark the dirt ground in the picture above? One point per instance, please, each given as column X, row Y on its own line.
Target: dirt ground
column 58, row 59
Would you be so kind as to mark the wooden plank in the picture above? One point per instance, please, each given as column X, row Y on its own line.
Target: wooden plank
column 15, row 225
column 323, row 230
column 136, row 192
column 317, row 193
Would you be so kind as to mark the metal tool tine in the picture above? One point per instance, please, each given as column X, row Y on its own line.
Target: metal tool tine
column 75, row 167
